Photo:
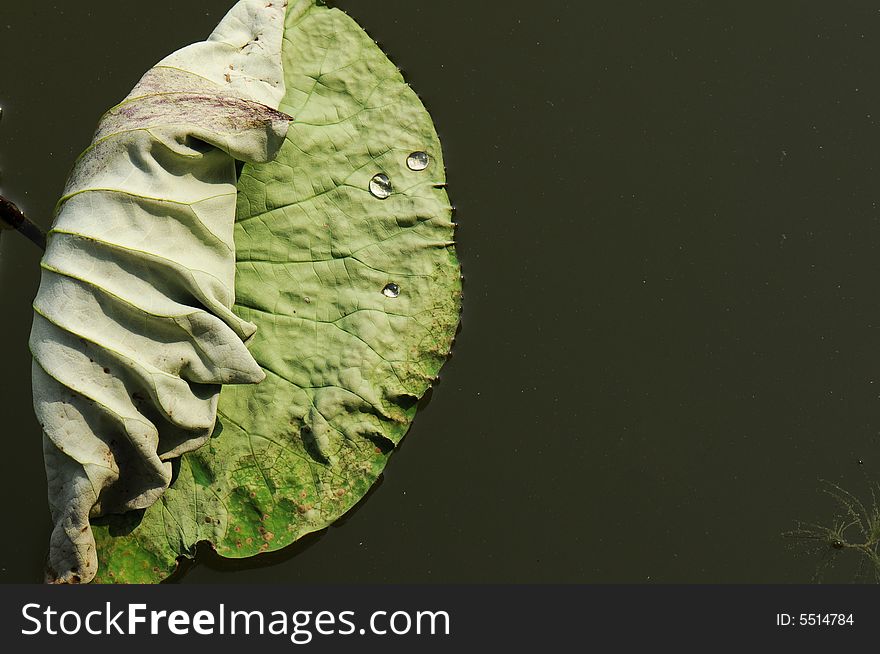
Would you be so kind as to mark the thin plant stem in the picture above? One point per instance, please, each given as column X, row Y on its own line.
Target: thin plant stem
column 12, row 216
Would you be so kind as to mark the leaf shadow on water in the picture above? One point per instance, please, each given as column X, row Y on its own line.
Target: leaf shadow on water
column 854, row 530
column 205, row 555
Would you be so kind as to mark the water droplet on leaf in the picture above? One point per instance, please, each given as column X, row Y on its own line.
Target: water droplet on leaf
column 380, row 186
column 391, row 290
column 418, row 161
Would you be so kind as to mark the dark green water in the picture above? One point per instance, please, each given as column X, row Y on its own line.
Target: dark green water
column 670, row 232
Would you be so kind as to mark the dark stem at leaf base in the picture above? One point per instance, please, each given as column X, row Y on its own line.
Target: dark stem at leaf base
column 12, row 216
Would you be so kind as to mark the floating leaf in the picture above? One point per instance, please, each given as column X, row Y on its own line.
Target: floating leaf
column 355, row 298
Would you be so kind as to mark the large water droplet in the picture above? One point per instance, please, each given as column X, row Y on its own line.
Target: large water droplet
column 418, row 161
column 380, row 186
column 392, row 290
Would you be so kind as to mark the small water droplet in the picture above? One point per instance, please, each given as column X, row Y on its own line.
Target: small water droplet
column 392, row 290
column 418, row 161
column 380, row 186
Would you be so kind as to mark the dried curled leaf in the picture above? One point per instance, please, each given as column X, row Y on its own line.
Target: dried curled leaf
column 133, row 331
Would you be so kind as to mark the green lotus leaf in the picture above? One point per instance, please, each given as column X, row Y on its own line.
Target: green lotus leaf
column 345, row 265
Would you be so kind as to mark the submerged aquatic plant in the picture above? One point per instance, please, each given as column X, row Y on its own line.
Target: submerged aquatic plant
column 855, row 529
